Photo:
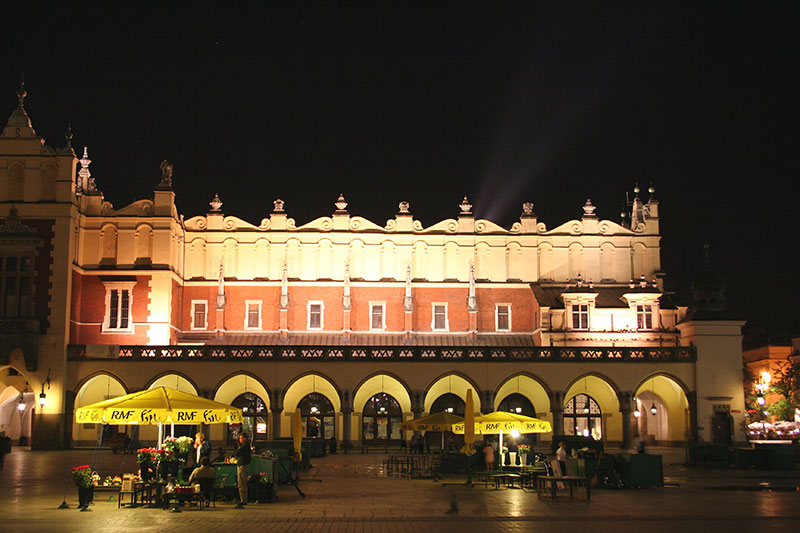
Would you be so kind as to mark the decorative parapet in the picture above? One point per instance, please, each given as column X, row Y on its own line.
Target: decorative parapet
column 542, row 354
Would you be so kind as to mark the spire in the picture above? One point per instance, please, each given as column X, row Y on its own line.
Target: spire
column 19, row 124
column 347, row 301
column 221, row 288
column 472, row 300
column 68, row 135
column 408, row 300
column 86, row 184
column 285, row 287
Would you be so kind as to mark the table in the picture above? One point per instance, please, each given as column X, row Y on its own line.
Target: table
column 181, row 497
column 547, row 487
column 505, row 477
column 108, row 488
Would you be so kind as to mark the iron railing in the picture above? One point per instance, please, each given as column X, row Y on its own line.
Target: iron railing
column 544, row 354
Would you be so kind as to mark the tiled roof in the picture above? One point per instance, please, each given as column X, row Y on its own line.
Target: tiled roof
column 369, row 339
column 607, row 297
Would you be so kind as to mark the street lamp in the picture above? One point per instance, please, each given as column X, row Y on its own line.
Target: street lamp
column 42, row 395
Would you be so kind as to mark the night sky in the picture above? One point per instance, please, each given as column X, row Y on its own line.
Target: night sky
column 503, row 102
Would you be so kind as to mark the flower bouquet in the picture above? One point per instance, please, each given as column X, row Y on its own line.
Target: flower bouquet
column 523, row 448
column 82, row 476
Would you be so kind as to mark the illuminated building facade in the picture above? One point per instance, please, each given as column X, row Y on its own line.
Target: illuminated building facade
column 360, row 325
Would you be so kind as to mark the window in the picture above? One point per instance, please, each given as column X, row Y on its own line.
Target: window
column 503, row 317
column 644, row 317
column 580, row 316
column 315, row 314
column 253, row 319
column 16, row 286
column 377, row 316
column 439, row 320
column 119, row 302
column 199, row 314
column 582, row 416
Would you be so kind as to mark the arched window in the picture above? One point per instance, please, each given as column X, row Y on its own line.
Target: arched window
column 582, row 416
column 449, row 403
column 517, row 403
column 318, row 416
column 255, row 414
column 381, row 420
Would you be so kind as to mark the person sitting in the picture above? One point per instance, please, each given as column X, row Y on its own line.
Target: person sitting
column 202, row 471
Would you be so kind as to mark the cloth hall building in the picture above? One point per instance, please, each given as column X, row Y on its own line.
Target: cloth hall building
column 360, row 325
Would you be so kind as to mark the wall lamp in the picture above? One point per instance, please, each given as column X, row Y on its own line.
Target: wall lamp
column 42, row 395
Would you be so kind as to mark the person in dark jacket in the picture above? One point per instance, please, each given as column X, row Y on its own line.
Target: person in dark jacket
column 202, row 448
column 242, row 455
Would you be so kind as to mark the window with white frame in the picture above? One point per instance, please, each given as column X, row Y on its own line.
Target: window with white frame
column 580, row 316
column 253, row 318
column 316, row 312
column 439, row 320
column 119, row 302
column 199, row 314
column 377, row 316
column 644, row 316
column 503, row 317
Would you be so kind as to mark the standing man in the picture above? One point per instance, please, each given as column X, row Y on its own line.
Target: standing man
column 5, row 447
column 202, row 448
column 242, row 455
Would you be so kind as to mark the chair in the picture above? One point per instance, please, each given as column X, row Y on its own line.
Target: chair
column 127, row 488
column 207, row 489
column 219, row 488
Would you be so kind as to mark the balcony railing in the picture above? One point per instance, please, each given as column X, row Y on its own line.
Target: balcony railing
column 548, row 354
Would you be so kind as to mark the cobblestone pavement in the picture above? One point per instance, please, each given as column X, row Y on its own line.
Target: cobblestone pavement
column 354, row 495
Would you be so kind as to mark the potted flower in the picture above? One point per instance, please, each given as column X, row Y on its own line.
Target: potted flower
column 266, row 493
column 503, row 453
column 82, row 476
column 523, row 450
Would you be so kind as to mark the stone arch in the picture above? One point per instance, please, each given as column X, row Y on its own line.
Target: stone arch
column 324, row 259
column 196, row 261
column 575, row 260
column 144, row 244
column 302, row 386
column 513, row 261
column 382, row 382
column 606, row 393
column 174, row 380
column 607, row 267
column 529, row 386
column 11, row 386
column 450, row 261
column 109, row 237
column 16, row 182
column 453, row 383
column 356, row 259
column 230, row 388
column 482, row 251
column 261, row 258
column 94, row 388
column 546, row 262
column 388, row 260
column 671, row 422
column 419, row 260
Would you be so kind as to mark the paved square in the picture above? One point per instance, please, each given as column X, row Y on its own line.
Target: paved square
column 354, row 495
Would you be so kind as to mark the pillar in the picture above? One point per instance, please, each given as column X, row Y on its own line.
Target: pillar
column 487, row 401
column 557, row 408
column 276, row 406
column 347, row 416
column 625, row 403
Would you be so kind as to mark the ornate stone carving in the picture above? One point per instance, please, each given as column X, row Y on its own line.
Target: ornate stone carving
column 527, row 209
column 466, row 207
column 278, row 204
column 216, row 204
column 588, row 209
column 341, row 204
column 166, row 175
column 403, row 206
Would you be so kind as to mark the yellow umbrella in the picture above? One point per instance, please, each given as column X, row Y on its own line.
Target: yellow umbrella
column 501, row 421
column 442, row 421
column 469, row 425
column 158, row 406
column 297, row 435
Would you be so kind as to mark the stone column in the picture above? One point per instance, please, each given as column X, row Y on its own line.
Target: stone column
column 692, row 400
column 625, row 407
column 347, row 415
column 557, row 408
column 487, row 401
column 276, row 406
